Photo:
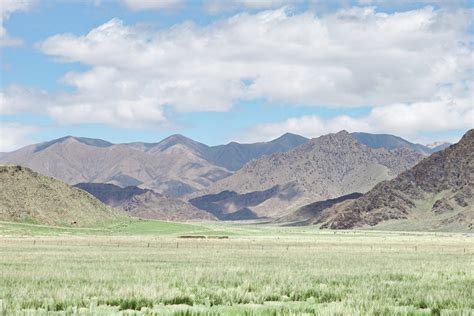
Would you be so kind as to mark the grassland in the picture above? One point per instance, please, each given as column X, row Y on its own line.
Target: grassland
column 145, row 267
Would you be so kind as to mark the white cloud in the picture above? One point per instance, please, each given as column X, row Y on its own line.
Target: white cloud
column 353, row 57
column 215, row 6
column 15, row 135
column 441, row 114
column 138, row 5
column 7, row 7
column 16, row 99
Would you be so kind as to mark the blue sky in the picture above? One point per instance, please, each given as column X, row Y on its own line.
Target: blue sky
column 140, row 70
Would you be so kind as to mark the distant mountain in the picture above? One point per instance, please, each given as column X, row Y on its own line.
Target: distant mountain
column 176, row 166
column 27, row 196
column 437, row 146
column 322, row 168
column 234, row 155
column 144, row 203
column 175, row 170
column 436, row 194
column 393, row 142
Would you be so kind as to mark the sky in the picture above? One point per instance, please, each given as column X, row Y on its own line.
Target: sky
column 235, row 70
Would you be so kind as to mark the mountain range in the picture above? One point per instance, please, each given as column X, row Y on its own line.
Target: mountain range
column 176, row 166
column 290, row 179
column 323, row 168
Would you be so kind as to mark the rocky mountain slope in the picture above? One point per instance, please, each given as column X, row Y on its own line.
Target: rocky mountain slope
column 144, row 203
column 437, row 193
column 27, row 196
column 323, row 168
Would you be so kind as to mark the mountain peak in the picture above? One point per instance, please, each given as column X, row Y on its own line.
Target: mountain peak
column 335, row 137
column 88, row 141
column 291, row 137
column 178, row 139
column 343, row 133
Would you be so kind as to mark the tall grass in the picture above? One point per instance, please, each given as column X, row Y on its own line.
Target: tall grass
column 326, row 274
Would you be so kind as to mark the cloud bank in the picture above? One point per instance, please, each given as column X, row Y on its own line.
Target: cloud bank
column 408, row 65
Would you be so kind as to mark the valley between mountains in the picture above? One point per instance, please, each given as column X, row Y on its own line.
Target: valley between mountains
column 338, row 181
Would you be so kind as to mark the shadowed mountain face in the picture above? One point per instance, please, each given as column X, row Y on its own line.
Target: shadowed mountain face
column 437, row 193
column 229, row 205
column 144, row 203
column 393, row 142
column 27, row 196
column 323, row 168
column 304, row 215
column 110, row 194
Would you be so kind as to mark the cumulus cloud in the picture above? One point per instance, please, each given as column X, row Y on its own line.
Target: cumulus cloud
column 7, row 7
column 441, row 114
column 138, row 5
column 352, row 57
column 15, row 135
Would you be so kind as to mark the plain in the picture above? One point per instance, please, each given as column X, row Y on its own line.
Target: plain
column 163, row 268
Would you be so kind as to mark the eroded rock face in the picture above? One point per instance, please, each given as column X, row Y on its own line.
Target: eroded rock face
column 448, row 174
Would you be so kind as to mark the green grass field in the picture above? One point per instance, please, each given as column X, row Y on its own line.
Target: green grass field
column 146, row 267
